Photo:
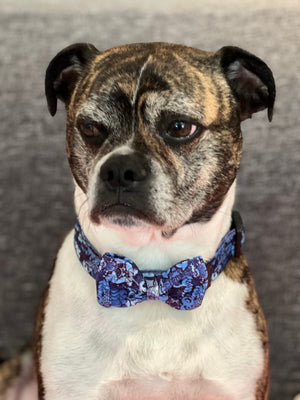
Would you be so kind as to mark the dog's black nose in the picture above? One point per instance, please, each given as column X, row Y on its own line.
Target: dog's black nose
column 124, row 172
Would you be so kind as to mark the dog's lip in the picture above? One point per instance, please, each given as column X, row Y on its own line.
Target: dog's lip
column 119, row 209
column 123, row 208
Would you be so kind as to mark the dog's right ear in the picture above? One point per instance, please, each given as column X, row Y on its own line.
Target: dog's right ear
column 64, row 71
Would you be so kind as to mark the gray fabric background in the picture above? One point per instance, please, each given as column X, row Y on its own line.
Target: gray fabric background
column 36, row 206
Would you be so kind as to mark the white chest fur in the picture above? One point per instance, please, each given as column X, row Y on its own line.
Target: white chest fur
column 93, row 353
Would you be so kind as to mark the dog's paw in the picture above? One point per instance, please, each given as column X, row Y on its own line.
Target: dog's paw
column 17, row 381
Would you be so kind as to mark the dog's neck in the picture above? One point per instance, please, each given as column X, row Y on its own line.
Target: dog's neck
column 145, row 244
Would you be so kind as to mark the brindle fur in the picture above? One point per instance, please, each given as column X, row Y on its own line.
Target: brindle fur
column 237, row 269
column 37, row 339
column 139, row 90
column 37, row 334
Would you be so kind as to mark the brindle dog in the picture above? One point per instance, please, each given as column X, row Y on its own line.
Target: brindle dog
column 154, row 144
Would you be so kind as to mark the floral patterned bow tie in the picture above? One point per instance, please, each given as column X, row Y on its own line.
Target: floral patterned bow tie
column 120, row 283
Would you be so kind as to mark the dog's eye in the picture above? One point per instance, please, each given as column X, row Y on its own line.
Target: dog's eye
column 181, row 129
column 90, row 129
column 93, row 133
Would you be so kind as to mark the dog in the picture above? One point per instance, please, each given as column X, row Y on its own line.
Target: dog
column 154, row 144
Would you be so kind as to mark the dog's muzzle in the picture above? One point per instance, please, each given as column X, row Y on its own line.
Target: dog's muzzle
column 123, row 190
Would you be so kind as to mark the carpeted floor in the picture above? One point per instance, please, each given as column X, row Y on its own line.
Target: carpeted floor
column 35, row 184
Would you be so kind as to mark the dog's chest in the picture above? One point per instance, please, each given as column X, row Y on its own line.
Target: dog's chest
column 149, row 348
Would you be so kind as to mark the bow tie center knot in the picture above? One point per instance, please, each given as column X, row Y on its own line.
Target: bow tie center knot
column 152, row 286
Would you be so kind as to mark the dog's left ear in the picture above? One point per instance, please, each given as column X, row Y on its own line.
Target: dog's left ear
column 250, row 79
column 64, row 71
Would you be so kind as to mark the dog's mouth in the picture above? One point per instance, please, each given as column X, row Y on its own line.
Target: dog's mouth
column 122, row 214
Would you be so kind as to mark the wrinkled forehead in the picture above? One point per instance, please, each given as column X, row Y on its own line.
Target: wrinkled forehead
column 149, row 82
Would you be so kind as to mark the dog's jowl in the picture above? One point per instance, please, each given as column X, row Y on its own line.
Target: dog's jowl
column 151, row 297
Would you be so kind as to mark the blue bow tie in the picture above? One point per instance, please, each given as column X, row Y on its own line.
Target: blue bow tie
column 120, row 283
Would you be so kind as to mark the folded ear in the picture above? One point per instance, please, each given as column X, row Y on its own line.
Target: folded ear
column 250, row 79
column 64, row 71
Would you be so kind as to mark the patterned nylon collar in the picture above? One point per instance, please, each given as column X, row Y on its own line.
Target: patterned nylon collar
column 120, row 283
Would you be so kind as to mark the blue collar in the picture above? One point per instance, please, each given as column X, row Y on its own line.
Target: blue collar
column 120, row 283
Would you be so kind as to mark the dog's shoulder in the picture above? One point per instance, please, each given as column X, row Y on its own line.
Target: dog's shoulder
column 238, row 270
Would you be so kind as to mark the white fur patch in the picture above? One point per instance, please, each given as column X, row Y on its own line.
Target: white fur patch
column 149, row 351
column 139, row 79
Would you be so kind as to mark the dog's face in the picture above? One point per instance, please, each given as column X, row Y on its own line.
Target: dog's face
column 153, row 130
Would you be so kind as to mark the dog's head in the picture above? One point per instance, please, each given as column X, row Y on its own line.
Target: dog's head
column 153, row 130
